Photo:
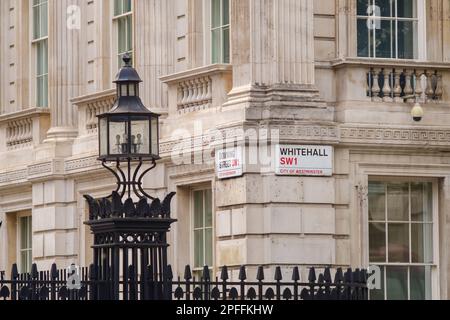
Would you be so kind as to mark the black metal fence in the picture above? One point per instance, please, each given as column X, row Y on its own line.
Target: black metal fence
column 55, row 284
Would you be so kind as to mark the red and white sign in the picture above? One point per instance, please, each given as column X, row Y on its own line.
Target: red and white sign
column 304, row 160
column 229, row 163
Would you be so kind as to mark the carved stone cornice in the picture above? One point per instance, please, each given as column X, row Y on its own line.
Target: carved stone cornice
column 395, row 135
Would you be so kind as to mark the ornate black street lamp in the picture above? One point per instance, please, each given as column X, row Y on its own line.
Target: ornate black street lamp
column 129, row 132
column 130, row 239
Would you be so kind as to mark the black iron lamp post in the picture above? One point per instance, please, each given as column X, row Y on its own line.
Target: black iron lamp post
column 129, row 132
column 130, row 239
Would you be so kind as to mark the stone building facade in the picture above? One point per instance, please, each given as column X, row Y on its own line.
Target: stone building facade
column 343, row 74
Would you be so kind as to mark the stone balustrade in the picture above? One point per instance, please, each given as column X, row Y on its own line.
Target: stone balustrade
column 24, row 128
column 388, row 81
column 19, row 133
column 404, row 85
column 198, row 89
column 89, row 107
column 195, row 94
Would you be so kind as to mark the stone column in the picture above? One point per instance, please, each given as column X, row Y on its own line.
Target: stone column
column 272, row 43
column 63, row 70
column 154, row 47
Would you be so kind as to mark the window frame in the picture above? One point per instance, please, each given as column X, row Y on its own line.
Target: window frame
column 208, row 39
column 435, row 286
column 192, row 228
column 19, row 249
column 421, row 33
column 116, row 19
column 41, row 101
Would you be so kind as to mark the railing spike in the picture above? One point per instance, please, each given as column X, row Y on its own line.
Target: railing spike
column 34, row 271
column 339, row 277
column 278, row 274
column 260, row 274
column 348, row 276
column 206, row 275
column 54, row 271
column 14, row 271
column 312, row 275
column 242, row 274
column 321, row 279
column 187, row 273
column 327, row 275
column 224, row 273
column 295, row 274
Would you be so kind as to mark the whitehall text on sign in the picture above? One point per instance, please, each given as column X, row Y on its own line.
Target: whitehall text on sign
column 229, row 163
column 304, row 160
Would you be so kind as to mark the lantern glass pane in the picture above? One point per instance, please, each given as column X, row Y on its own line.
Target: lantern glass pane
column 118, row 136
column 155, row 137
column 103, row 137
column 124, row 92
column 131, row 90
column 140, row 136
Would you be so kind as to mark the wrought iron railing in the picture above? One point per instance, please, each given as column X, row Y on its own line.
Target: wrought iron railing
column 95, row 284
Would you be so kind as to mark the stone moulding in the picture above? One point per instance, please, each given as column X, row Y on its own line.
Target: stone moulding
column 23, row 129
column 348, row 135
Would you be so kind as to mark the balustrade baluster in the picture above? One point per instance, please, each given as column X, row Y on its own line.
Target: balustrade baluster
column 387, row 87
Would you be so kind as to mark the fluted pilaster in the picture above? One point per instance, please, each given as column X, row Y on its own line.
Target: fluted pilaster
column 63, row 70
column 154, row 49
column 273, row 42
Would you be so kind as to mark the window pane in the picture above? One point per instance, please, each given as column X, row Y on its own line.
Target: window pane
column 117, row 7
column 126, row 6
column 198, row 248
column 398, row 242
column 421, row 202
column 362, row 7
column 420, row 283
column 364, row 38
column 42, row 58
column 45, row 91
column 397, row 283
column 23, row 233
column 44, row 20
column 407, row 46
column 378, row 294
column 209, row 247
column 208, row 208
column 226, row 12
column 129, row 26
column 198, row 209
column 422, row 243
column 386, row 8
column 398, row 201
column 377, row 242
column 215, row 14
column 122, row 29
column 36, row 22
column 226, row 45
column 384, row 39
column 377, row 201
column 406, row 8
column 216, row 48
column 24, row 263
